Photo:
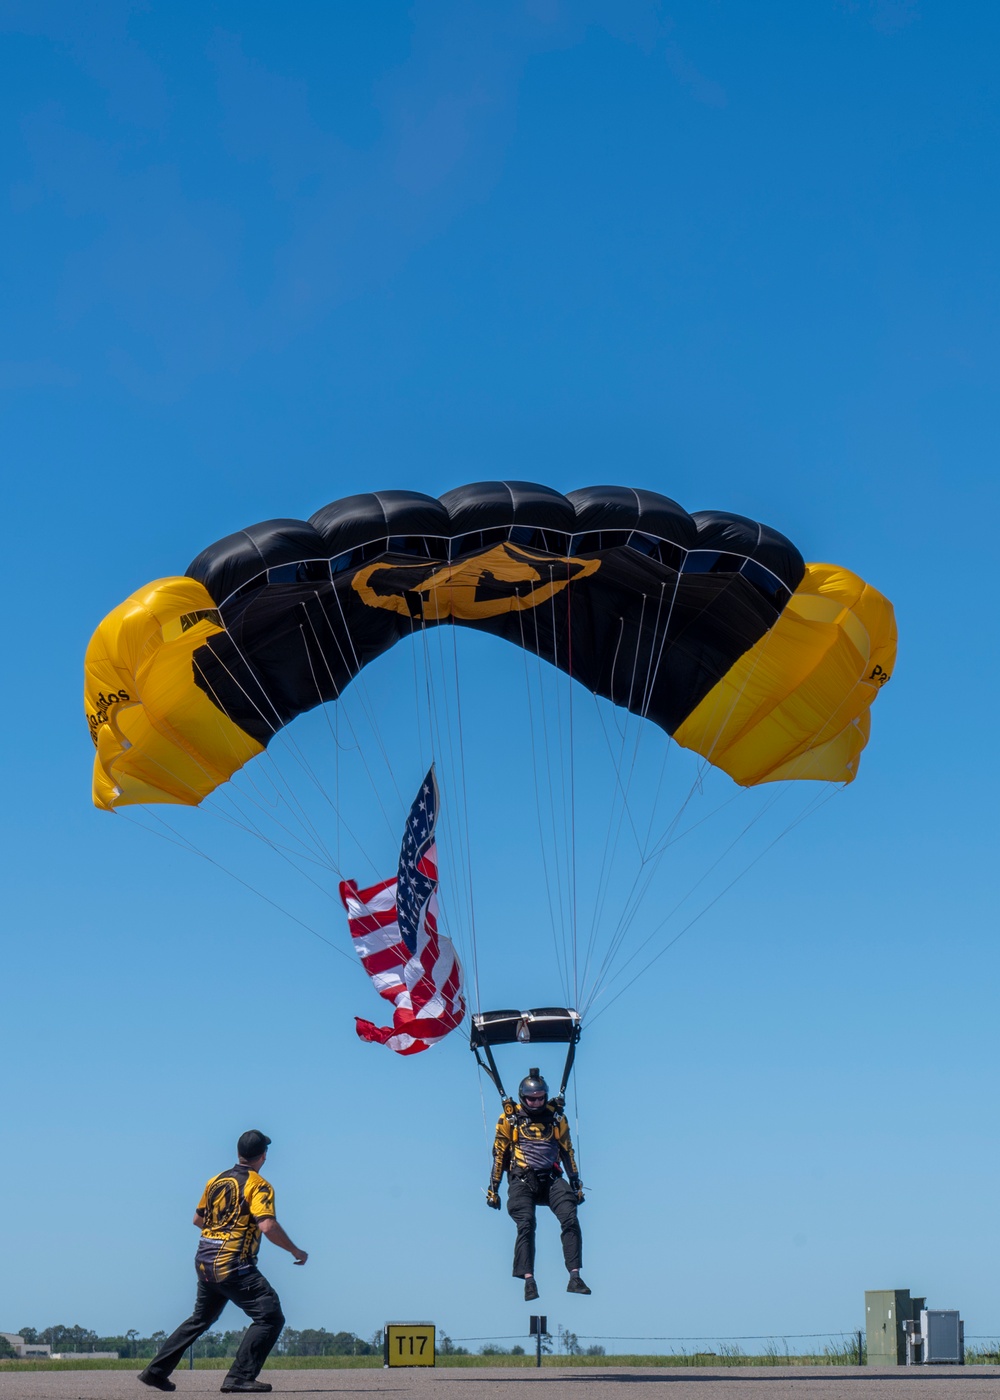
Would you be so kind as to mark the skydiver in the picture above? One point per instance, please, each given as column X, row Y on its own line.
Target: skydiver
column 532, row 1145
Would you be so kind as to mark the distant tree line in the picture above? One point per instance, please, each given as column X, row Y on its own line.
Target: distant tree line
column 310, row 1341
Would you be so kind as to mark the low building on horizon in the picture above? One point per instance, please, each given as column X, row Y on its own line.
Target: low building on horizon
column 21, row 1348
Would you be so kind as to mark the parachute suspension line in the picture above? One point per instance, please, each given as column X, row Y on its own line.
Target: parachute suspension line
column 612, row 840
column 668, row 748
column 244, row 822
column 441, row 732
column 451, row 845
column 567, row 797
column 425, row 733
column 284, row 795
column 232, row 793
column 281, row 851
column 360, row 747
column 362, row 690
column 559, row 932
column 612, row 834
column 441, row 744
column 296, row 753
column 810, row 810
column 572, row 785
column 812, row 802
column 465, row 818
column 670, row 839
column 334, row 803
column 640, row 885
column 290, row 797
column 427, row 743
column 176, row 838
column 639, row 729
column 542, row 843
column 610, row 980
column 651, row 678
column 654, row 858
column 336, row 780
column 630, row 912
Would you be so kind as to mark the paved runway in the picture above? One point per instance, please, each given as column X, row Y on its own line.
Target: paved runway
column 550, row 1383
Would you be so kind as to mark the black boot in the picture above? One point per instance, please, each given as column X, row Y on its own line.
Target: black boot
column 530, row 1290
column 576, row 1284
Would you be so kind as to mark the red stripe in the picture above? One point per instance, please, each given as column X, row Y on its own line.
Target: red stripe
column 388, row 958
column 368, row 923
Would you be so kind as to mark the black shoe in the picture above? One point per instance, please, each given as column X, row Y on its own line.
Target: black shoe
column 244, row 1387
column 576, row 1285
column 157, row 1382
column 530, row 1290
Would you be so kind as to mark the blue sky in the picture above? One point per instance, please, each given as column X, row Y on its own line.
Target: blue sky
column 256, row 259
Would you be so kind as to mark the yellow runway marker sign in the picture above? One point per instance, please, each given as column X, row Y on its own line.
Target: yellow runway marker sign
column 409, row 1344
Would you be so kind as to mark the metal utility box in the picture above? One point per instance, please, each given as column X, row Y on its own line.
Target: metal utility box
column 944, row 1337
column 938, row 1339
column 886, row 1309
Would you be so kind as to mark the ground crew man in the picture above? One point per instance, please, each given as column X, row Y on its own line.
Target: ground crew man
column 235, row 1209
column 532, row 1145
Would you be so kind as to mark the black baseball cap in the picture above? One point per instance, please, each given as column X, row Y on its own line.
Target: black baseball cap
column 252, row 1143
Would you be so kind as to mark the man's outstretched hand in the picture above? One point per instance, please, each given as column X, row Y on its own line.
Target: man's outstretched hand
column 575, row 1184
column 492, row 1199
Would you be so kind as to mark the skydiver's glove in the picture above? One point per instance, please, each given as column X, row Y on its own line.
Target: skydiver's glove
column 492, row 1199
column 575, row 1184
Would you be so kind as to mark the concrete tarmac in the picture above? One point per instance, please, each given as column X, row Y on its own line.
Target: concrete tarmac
column 549, row 1383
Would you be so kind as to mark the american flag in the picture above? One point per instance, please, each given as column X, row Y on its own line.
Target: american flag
column 394, row 928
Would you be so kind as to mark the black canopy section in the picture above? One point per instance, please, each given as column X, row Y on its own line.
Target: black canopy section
column 544, row 1025
column 621, row 589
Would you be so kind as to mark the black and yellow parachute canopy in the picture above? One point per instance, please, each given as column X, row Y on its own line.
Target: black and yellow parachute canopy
column 710, row 625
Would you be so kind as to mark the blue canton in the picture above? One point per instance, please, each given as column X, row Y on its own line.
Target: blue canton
column 413, row 888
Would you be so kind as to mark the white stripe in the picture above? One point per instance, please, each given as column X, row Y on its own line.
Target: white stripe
column 387, row 981
column 378, row 904
column 378, row 940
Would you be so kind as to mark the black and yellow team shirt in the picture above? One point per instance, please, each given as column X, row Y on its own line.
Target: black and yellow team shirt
column 540, row 1141
column 232, row 1203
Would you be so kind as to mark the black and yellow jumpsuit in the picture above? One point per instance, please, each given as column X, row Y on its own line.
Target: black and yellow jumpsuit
column 226, row 1264
column 533, row 1148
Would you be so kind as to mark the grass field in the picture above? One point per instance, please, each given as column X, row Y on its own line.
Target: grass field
column 369, row 1363
column 846, row 1355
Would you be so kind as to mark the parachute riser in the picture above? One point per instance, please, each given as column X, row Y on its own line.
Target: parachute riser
column 491, row 1069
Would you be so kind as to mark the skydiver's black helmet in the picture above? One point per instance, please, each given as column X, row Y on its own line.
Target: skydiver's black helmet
column 533, row 1092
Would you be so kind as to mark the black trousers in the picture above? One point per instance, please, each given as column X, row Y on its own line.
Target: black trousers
column 561, row 1200
column 249, row 1291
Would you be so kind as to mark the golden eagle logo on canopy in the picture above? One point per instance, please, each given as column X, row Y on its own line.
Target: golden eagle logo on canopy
column 499, row 580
